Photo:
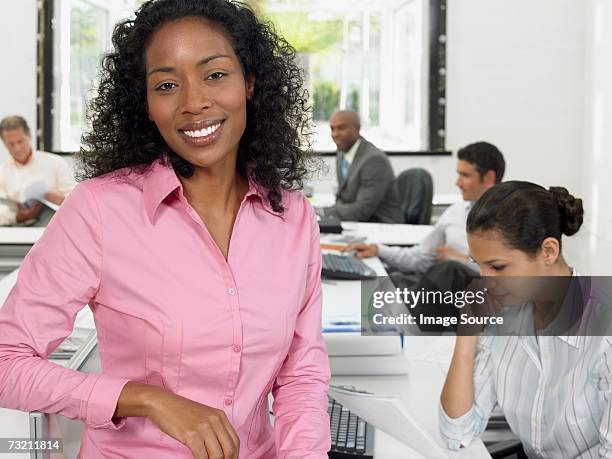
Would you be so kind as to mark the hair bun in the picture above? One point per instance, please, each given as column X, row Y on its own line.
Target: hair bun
column 570, row 210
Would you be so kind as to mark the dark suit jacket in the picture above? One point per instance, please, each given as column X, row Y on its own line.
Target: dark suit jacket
column 369, row 192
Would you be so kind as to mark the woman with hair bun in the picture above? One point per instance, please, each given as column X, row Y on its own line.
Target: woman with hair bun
column 555, row 390
column 197, row 256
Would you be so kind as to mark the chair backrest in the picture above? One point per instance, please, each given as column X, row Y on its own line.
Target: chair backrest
column 415, row 189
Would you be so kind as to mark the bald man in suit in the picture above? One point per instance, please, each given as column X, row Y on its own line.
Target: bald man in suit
column 366, row 190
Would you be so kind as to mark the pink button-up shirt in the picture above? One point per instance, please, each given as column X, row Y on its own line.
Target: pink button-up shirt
column 172, row 312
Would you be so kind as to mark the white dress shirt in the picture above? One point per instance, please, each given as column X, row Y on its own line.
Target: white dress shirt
column 42, row 166
column 449, row 231
column 350, row 155
column 555, row 391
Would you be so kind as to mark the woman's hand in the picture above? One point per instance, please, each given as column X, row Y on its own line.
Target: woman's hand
column 362, row 250
column 204, row 430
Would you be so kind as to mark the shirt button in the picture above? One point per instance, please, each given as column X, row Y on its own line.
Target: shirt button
column 227, row 401
column 231, row 291
column 236, row 348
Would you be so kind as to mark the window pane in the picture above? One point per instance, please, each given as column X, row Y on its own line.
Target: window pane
column 360, row 55
column 82, row 33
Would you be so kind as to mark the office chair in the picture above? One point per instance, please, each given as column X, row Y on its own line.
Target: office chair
column 415, row 189
column 501, row 443
column 511, row 449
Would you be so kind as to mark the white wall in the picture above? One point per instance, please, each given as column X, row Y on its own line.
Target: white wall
column 515, row 78
column 592, row 246
column 18, row 28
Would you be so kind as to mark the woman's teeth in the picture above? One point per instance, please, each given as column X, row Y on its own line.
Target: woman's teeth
column 203, row 132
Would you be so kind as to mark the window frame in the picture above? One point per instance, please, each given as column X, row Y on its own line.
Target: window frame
column 436, row 127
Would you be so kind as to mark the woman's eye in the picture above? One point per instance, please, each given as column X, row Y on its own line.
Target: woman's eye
column 216, row 76
column 165, row 87
column 498, row 267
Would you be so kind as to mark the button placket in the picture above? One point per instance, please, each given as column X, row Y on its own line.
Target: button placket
column 236, row 346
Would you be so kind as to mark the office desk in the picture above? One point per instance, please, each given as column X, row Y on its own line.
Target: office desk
column 387, row 233
column 439, row 199
column 15, row 243
column 446, row 199
column 19, row 235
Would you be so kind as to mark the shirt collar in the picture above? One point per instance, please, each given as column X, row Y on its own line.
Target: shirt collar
column 14, row 163
column 160, row 181
column 350, row 155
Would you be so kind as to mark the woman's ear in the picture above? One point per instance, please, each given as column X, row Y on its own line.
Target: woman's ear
column 550, row 250
column 250, row 86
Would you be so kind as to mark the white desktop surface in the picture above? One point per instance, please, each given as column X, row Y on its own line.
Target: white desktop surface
column 439, row 199
column 387, row 233
column 446, row 199
column 20, row 235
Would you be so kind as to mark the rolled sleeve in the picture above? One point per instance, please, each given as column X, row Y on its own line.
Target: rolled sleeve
column 8, row 216
column 458, row 432
column 407, row 259
column 300, row 390
column 58, row 277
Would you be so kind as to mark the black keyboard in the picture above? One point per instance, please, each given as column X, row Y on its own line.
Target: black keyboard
column 351, row 436
column 345, row 267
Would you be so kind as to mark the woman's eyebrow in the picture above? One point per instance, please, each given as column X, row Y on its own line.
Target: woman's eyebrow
column 494, row 260
column 204, row 61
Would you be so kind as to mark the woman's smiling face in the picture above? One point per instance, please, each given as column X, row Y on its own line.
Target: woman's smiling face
column 196, row 91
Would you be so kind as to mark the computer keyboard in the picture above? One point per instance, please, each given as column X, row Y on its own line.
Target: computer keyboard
column 351, row 436
column 345, row 266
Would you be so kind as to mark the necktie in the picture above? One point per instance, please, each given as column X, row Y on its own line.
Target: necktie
column 344, row 167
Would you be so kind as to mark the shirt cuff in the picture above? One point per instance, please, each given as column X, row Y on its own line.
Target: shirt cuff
column 384, row 251
column 458, row 432
column 102, row 403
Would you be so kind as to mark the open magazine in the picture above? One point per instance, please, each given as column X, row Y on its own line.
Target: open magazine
column 33, row 192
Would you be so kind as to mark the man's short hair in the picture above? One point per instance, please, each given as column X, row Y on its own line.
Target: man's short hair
column 485, row 157
column 14, row 122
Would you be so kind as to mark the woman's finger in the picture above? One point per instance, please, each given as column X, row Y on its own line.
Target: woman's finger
column 232, row 433
column 211, row 442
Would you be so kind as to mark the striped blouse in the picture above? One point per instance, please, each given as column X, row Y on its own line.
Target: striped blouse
column 555, row 391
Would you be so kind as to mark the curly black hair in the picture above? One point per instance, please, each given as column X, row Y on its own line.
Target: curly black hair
column 275, row 148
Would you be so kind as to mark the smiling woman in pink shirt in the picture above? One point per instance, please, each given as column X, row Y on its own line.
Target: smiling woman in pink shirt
column 199, row 262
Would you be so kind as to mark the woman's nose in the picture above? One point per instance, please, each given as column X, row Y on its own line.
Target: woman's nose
column 196, row 97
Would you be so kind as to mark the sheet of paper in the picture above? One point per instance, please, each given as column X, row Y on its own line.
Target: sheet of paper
column 35, row 190
column 389, row 414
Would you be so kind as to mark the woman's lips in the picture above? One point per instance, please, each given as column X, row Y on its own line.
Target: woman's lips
column 202, row 138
